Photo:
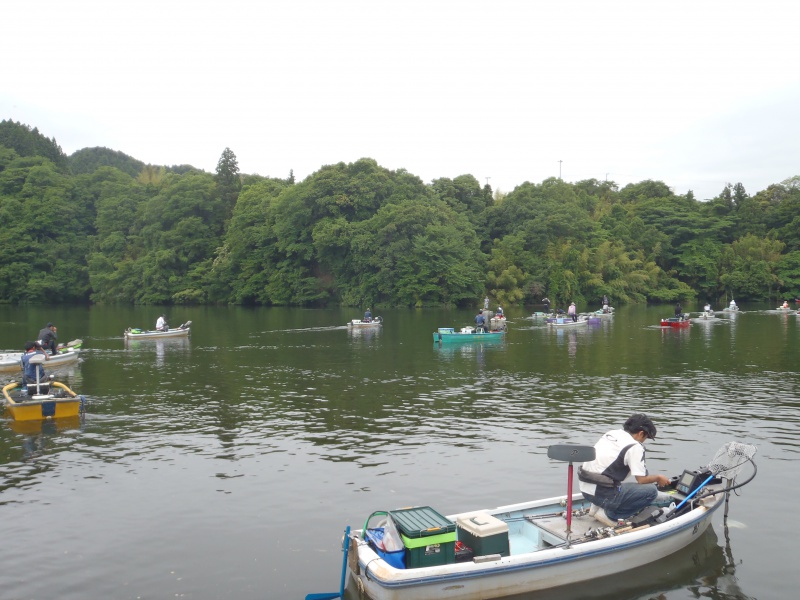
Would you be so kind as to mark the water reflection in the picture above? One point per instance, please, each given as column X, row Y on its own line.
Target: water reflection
column 571, row 339
column 476, row 351
column 726, row 582
column 253, row 417
column 37, row 435
column 367, row 335
column 161, row 347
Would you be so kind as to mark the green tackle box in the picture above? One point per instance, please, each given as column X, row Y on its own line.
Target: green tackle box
column 429, row 538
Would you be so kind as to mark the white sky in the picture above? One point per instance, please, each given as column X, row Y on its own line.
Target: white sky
column 694, row 93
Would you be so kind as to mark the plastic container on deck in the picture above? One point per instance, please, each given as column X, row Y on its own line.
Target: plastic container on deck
column 429, row 537
column 484, row 533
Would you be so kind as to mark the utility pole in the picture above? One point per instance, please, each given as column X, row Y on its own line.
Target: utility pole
column 559, row 168
column 487, row 180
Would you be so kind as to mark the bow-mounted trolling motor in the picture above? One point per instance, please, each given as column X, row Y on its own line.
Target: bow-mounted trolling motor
column 692, row 484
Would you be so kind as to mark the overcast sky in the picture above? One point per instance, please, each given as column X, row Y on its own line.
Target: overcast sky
column 693, row 93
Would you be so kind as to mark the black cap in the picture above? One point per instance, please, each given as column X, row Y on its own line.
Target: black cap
column 49, row 325
column 640, row 422
column 30, row 346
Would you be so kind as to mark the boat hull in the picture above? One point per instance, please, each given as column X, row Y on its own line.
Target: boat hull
column 526, row 572
column 566, row 322
column 356, row 324
column 155, row 335
column 676, row 323
column 457, row 337
column 36, row 408
column 10, row 362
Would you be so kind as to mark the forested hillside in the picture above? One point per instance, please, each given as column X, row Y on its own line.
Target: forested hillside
column 100, row 226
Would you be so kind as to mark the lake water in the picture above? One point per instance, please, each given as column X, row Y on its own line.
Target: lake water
column 228, row 465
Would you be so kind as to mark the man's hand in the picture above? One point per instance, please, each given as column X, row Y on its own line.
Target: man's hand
column 662, row 480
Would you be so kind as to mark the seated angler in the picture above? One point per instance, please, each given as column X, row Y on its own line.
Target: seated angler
column 616, row 481
column 31, row 370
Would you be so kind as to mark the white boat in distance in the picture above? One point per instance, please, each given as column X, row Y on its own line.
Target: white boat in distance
column 359, row 324
column 143, row 334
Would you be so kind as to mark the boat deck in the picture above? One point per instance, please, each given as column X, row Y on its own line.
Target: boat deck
column 534, row 532
column 556, row 526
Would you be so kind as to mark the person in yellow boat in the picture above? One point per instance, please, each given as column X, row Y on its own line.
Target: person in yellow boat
column 29, row 370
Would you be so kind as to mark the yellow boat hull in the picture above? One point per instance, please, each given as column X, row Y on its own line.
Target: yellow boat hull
column 37, row 408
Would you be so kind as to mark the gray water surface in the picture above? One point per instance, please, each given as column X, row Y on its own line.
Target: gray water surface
column 227, row 465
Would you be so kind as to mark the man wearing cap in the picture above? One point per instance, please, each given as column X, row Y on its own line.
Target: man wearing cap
column 620, row 456
column 29, row 370
column 47, row 338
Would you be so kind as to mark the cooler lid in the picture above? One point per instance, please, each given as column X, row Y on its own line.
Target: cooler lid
column 421, row 521
column 482, row 524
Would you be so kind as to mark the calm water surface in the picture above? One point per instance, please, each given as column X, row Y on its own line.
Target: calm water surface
column 227, row 465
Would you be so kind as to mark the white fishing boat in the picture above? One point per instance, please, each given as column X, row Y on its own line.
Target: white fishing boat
column 67, row 354
column 145, row 334
column 536, row 545
column 568, row 321
column 359, row 324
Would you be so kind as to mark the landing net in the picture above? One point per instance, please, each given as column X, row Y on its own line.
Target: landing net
column 729, row 460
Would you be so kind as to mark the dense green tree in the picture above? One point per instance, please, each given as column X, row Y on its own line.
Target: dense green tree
column 416, row 253
column 750, row 267
column 465, row 196
column 46, row 234
column 27, row 141
column 698, row 263
column 101, row 226
column 88, row 160
column 228, row 180
column 242, row 265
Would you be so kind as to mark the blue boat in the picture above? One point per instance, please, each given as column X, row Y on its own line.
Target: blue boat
column 446, row 335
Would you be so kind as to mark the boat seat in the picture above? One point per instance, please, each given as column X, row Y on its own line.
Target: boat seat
column 570, row 453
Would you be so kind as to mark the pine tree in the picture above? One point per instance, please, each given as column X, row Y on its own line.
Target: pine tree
column 229, row 182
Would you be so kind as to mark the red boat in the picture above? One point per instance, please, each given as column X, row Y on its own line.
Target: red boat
column 682, row 321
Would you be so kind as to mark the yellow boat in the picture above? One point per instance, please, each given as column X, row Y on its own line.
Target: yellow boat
column 41, row 400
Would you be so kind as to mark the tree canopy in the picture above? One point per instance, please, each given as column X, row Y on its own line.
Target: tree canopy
column 101, row 226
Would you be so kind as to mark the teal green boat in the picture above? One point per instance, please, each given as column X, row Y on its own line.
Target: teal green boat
column 446, row 335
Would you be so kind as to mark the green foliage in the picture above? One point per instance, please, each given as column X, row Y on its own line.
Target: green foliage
column 103, row 227
column 788, row 272
column 29, row 142
column 88, row 160
column 750, row 267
